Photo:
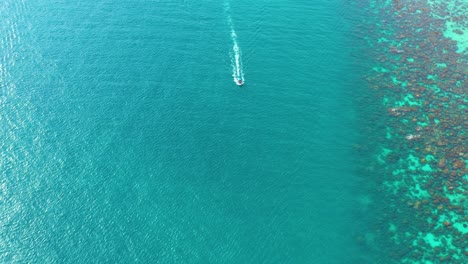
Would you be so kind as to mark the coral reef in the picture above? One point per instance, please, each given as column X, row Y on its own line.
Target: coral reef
column 420, row 74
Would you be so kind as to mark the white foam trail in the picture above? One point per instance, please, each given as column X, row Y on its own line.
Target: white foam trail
column 236, row 58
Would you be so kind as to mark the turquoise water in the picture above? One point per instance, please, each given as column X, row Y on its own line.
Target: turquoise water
column 125, row 140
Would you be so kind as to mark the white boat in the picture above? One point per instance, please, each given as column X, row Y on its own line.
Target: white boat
column 239, row 82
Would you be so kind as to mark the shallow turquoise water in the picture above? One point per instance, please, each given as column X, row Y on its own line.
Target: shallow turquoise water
column 125, row 139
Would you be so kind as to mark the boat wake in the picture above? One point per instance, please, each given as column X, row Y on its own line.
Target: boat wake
column 236, row 59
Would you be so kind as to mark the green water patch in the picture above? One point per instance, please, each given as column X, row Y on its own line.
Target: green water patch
column 430, row 158
column 383, row 155
column 380, row 69
column 382, row 39
column 462, row 227
column 439, row 245
column 409, row 100
column 436, row 241
column 388, row 133
column 459, row 34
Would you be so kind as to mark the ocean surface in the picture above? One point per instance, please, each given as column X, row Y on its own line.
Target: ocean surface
column 125, row 139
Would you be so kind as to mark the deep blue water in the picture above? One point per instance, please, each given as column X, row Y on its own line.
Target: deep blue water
column 125, row 140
